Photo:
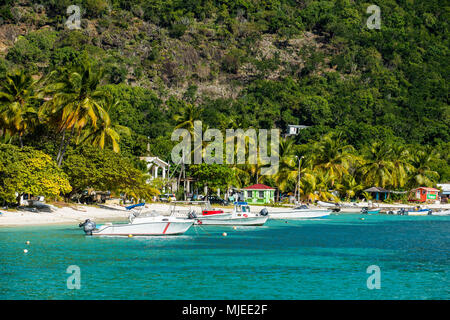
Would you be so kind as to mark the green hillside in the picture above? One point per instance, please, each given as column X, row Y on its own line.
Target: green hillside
column 243, row 64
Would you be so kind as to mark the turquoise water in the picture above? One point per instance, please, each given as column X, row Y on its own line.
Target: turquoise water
column 319, row 259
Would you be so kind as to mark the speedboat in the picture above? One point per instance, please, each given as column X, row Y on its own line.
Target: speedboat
column 208, row 212
column 352, row 207
column 441, row 213
column 147, row 224
column 240, row 216
column 414, row 212
column 301, row 212
column 366, row 210
column 335, row 207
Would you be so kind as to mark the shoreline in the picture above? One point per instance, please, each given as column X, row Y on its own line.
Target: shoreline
column 78, row 213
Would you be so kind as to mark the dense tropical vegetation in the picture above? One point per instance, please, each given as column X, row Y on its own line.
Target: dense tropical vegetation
column 94, row 98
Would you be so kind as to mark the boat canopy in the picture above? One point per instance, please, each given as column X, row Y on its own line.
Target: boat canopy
column 135, row 205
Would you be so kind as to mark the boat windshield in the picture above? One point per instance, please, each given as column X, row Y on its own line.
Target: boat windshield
column 242, row 208
column 303, row 206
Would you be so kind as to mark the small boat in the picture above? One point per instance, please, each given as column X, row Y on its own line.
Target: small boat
column 140, row 224
column 241, row 216
column 414, row 212
column 352, row 207
column 441, row 213
column 335, row 207
column 210, row 213
column 301, row 212
column 370, row 210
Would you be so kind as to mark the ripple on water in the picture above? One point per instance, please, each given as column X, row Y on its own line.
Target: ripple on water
column 315, row 259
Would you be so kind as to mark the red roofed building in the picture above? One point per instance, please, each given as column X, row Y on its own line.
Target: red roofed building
column 258, row 194
column 424, row 194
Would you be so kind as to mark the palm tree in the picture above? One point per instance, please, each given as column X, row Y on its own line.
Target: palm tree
column 308, row 183
column 287, row 171
column 185, row 119
column 400, row 158
column 367, row 196
column 422, row 174
column 18, row 94
column 75, row 103
column 349, row 187
column 378, row 170
column 105, row 132
column 332, row 154
column 324, row 181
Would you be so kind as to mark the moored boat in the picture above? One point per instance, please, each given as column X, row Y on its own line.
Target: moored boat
column 240, row 216
column 149, row 224
column 207, row 212
column 370, row 210
column 301, row 212
column 414, row 212
column 441, row 213
column 334, row 206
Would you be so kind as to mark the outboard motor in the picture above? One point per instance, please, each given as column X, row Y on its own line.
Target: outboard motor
column 364, row 210
column 264, row 212
column 192, row 215
column 88, row 226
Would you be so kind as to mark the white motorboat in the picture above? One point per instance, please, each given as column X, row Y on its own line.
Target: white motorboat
column 147, row 224
column 207, row 212
column 353, row 207
column 441, row 213
column 302, row 212
column 414, row 212
column 241, row 216
column 335, row 207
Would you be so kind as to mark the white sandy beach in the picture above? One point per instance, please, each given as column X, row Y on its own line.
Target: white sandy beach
column 78, row 213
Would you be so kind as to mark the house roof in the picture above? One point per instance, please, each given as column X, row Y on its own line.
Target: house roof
column 258, row 186
column 155, row 160
column 300, row 126
column 444, row 186
column 427, row 189
column 376, row 189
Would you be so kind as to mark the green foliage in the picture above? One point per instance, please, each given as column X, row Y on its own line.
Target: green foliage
column 89, row 167
column 243, row 64
column 33, row 48
column 212, row 175
column 26, row 170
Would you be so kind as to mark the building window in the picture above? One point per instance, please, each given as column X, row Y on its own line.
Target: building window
column 261, row 194
column 249, row 194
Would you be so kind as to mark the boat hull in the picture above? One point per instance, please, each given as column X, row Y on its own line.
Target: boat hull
column 418, row 213
column 216, row 216
column 310, row 214
column 233, row 221
column 441, row 213
column 157, row 228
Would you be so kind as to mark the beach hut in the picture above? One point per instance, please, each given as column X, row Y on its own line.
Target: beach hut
column 424, row 194
column 378, row 193
column 259, row 194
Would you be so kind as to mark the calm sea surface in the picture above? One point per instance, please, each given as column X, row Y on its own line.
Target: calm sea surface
column 317, row 259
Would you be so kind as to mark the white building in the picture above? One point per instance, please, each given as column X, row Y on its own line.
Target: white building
column 157, row 167
column 294, row 129
column 445, row 189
